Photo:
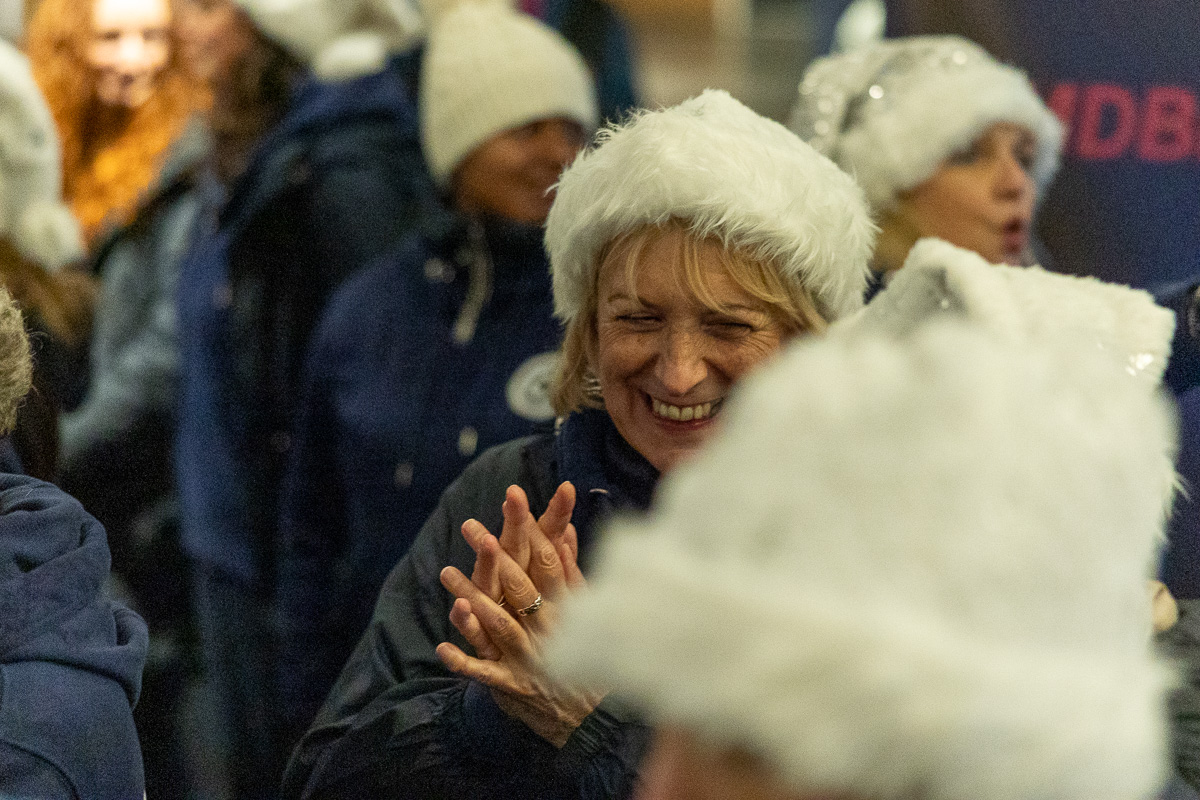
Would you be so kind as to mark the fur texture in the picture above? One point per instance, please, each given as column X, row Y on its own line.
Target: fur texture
column 1025, row 304
column 907, row 567
column 487, row 69
column 339, row 39
column 32, row 214
column 728, row 173
column 890, row 116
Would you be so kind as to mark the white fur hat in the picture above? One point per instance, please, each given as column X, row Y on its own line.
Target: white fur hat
column 32, row 214
column 906, row 567
column 488, row 68
column 1024, row 304
column 726, row 172
column 339, row 39
column 890, row 114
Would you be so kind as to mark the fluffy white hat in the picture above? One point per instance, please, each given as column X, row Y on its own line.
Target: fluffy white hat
column 907, row 567
column 32, row 214
column 487, row 69
column 726, row 172
column 339, row 39
column 1024, row 304
column 890, row 114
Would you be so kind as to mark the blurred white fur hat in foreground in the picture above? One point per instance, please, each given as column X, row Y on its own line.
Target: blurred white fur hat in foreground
column 33, row 216
column 1024, row 304
column 339, row 39
column 488, row 68
column 907, row 567
column 891, row 113
column 728, row 173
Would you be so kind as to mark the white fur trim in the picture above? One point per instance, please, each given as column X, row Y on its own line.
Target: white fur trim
column 1025, row 304
column 488, row 69
column 728, row 173
column 904, row 568
column 923, row 116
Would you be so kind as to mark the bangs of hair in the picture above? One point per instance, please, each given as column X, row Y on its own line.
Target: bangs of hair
column 789, row 302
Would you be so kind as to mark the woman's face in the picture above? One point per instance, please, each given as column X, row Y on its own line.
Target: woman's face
column 212, row 36
column 510, row 175
column 129, row 49
column 681, row 767
column 666, row 361
column 982, row 198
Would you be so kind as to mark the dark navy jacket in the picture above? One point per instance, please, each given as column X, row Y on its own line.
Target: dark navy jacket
column 336, row 185
column 411, row 373
column 70, row 659
column 399, row 726
column 602, row 38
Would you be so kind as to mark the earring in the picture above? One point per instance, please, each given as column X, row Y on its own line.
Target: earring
column 592, row 388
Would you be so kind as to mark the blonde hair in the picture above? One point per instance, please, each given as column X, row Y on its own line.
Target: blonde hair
column 16, row 362
column 108, row 164
column 793, row 306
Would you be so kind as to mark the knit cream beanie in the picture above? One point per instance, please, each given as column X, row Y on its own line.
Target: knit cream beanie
column 487, row 69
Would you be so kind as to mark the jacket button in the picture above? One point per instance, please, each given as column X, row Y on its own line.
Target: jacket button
column 436, row 271
column 281, row 442
column 403, row 477
column 468, row 441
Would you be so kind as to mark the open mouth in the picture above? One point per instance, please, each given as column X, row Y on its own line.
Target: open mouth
column 696, row 413
column 1016, row 235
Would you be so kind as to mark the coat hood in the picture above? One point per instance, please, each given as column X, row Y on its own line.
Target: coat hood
column 54, row 560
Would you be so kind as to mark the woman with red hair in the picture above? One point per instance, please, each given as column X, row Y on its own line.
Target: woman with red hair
column 113, row 79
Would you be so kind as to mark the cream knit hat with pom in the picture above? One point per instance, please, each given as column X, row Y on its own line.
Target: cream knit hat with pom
column 339, row 39
column 487, row 69
column 32, row 214
column 726, row 172
column 906, row 567
column 891, row 113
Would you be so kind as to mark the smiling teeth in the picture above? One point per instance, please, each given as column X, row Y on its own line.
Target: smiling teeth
column 684, row 413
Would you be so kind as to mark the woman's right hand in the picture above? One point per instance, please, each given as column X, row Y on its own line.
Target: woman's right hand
column 548, row 544
column 508, row 646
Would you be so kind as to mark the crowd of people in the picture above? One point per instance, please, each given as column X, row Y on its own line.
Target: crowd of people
column 472, row 431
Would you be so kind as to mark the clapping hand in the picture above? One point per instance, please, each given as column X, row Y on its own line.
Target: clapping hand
column 529, row 570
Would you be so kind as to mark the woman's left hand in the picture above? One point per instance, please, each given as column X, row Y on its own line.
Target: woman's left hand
column 509, row 648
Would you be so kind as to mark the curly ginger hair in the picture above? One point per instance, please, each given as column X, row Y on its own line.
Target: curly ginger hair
column 110, row 159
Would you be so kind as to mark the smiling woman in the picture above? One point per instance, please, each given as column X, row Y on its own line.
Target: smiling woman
column 678, row 269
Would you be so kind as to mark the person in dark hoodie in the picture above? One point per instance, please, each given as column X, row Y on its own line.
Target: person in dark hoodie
column 439, row 351
column 319, row 172
column 70, row 659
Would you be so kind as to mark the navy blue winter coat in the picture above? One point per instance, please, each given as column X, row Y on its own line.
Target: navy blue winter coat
column 421, row 361
column 70, row 659
column 399, row 726
column 336, row 185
